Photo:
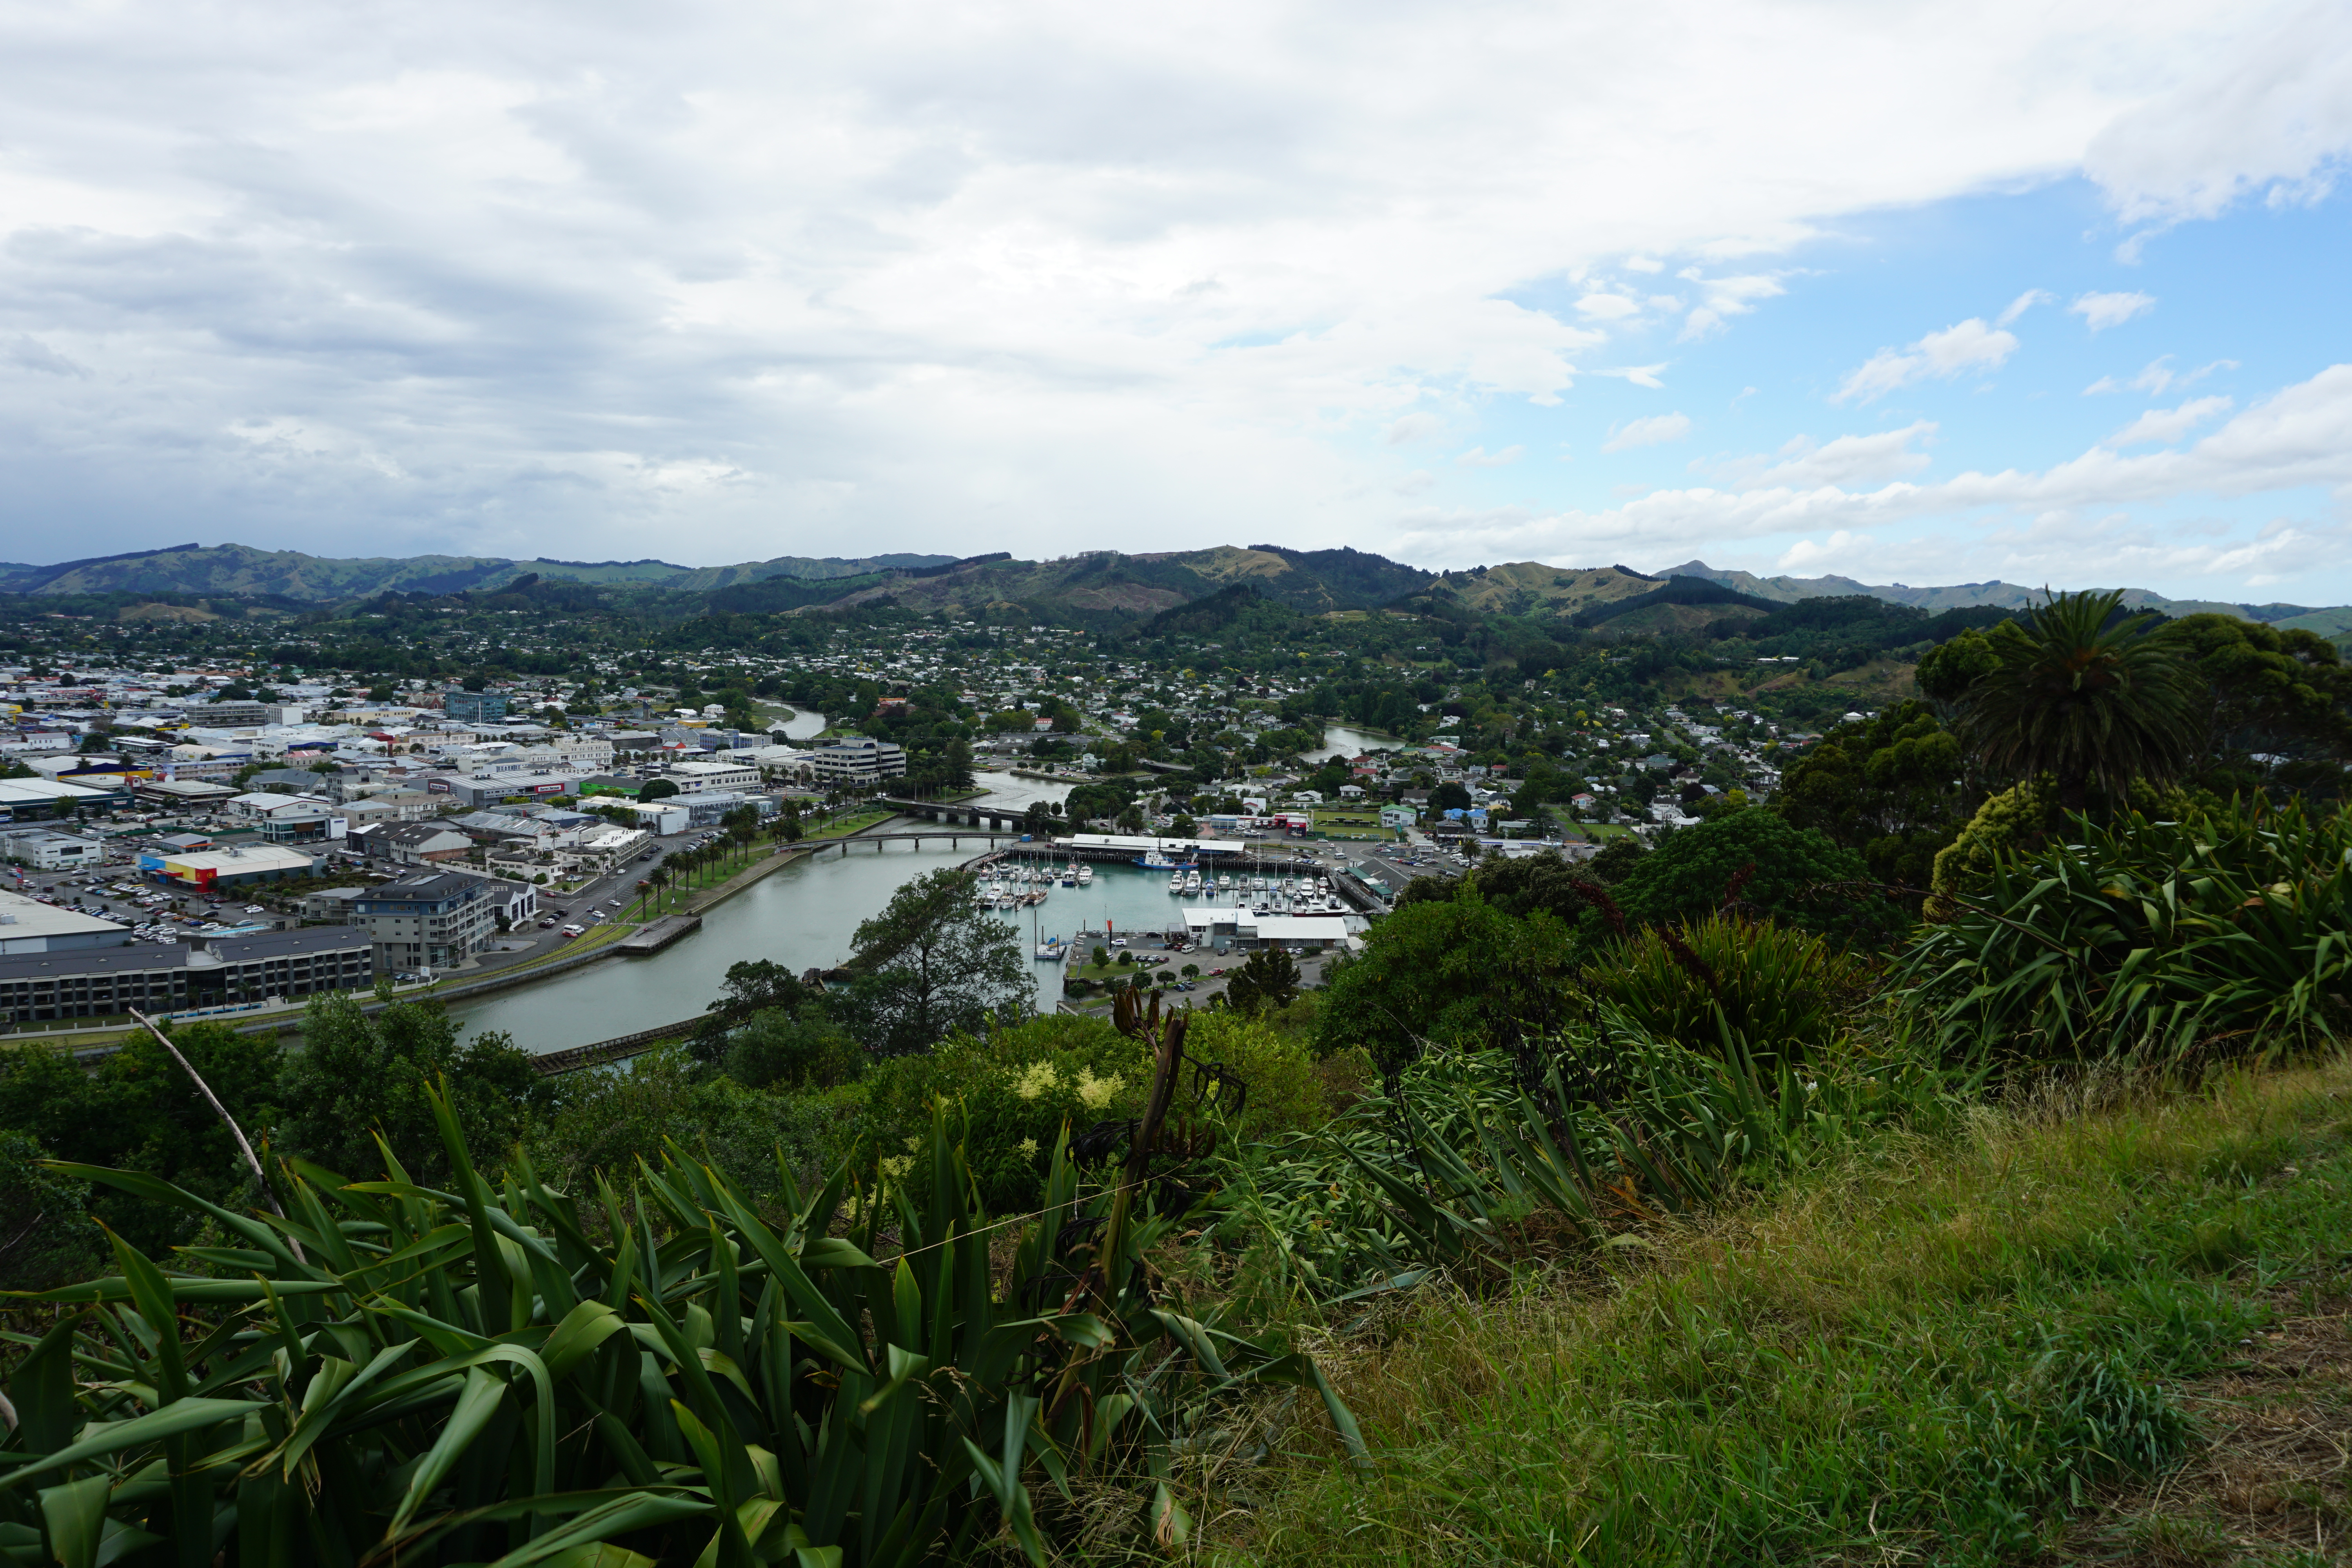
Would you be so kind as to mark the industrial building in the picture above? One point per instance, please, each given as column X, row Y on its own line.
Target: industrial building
column 28, row 925
column 226, row 868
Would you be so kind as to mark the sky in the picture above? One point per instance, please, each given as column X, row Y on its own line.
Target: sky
column 1914, row 293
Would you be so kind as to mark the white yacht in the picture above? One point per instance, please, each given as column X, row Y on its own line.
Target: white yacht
column 1224, row 882
column 1191, row 881
column 1176, row 881
column 1086, row 875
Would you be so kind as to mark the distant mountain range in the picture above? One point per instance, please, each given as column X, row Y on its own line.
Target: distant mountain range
column 237, row 569
column 1100, row 586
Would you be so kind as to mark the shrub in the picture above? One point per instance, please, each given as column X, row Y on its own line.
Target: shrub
column 467, row 1376
column 1784, row 993
column 1286, row 1094
column 1010, row 1093
column 1780, row 871
column 2227, row 928
column 611, row 1119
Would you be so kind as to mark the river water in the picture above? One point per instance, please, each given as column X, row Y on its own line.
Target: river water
column 1338, row 740
column 799, row 917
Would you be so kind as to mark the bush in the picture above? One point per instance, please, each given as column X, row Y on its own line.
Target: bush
column 1285, row 1092
column 613, row 1119
column 1780, row 871
column 1009, row 1095
column 1783, row 992
column 2226, row 928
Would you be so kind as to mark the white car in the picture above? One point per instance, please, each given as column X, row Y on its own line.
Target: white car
column 254, row 910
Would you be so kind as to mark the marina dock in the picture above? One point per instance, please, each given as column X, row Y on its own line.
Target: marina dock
column 659, row 935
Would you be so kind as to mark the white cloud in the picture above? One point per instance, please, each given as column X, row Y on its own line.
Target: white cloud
column 1479, row 457
column 2169, row 424
column 1411, row 427
column 1654, row 431
column 1849, row 459
column 2104, row 311
column 1964, row 346
column 1724, row 298
column 1606, row 307
column 2265, row 109
column 2299, row 439
column 750, row 279
column 1839, row 547
column 2024, row 302
column 2159, row 378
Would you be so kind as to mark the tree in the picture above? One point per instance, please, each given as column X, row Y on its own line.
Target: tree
column 138, row 1111
column 1269, row 979
column 1781, row 871
column 2281, row 705
column 2076, row 693
column 932, row 963
column 1449, row 797
column 1890, row 788
column 657, row 789
column 1454, row 971
column 752, row 985
column 358, row 1074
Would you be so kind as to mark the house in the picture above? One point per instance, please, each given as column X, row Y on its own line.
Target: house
column 1399, row 816
column 418, row 843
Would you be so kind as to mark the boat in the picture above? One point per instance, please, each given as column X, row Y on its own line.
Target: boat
column 1086, row 875
column 1175, row 881
column 1070, row 875
column 1191, row 881
column 1224, row 882
column 1052, row 950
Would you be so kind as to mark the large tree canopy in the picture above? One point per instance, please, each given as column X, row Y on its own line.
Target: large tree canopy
column 932, row 963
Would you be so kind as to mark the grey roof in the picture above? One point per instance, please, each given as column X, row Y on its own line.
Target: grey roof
column 288, row 943
column 129, row 959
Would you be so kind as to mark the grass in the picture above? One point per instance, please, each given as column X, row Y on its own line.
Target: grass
column 2068, row 1332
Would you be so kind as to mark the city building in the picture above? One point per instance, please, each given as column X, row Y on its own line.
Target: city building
column 430, row 920
column 474, row 707
column 206, row 870
column 28, row 925
column 697, row 778
column 281, row 965
column 40, row 988
column 860, row 760
column 418, row 843
column 47, row 851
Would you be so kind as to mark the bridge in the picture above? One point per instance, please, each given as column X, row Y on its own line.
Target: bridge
column 619, row 1048
column 972, row 813
column 954, row 835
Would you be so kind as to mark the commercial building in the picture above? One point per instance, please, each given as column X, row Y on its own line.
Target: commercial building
column 28, row 925
column 474, row 707
column 699, row 778
column 283, row 965
column 431, row 921
column 41, row 987
column 182, row 794
column 226, row 868
column 244, row 715
column 860, row 760
column 47, row 851
column 28, row 799
column 418, row 843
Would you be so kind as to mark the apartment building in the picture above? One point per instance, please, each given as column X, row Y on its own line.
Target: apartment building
column 431, row 921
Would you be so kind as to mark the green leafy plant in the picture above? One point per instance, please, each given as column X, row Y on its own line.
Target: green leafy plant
column 2157, row 937
column 395, row 1372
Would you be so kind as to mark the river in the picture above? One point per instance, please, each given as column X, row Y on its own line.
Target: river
column 802, row 916
column 1338, row 740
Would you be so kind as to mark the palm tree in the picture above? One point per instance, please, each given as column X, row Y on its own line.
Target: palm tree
column 2078, row 694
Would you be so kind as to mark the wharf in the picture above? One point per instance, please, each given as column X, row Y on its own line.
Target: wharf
column 656, row 936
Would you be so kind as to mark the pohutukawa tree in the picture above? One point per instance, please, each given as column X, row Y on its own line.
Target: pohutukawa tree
column 2086, row 698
